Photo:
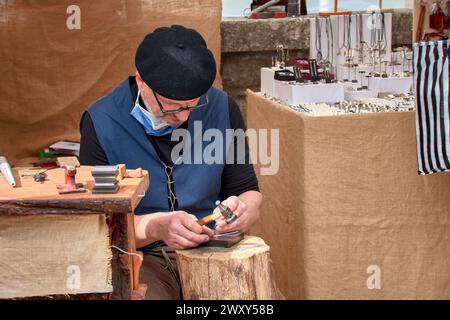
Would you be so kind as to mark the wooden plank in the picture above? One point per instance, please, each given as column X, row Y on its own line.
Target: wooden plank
column 36, row 198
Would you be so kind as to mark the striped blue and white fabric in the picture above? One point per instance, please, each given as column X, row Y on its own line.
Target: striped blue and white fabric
column 431, row 81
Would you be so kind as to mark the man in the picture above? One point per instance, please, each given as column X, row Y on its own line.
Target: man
column 172, row 90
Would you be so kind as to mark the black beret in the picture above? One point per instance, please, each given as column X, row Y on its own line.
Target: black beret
column 176, row 63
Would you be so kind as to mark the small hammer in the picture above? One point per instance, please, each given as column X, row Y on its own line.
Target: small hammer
column 219, row 211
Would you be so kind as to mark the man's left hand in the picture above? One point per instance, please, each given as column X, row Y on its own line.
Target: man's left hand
column 246, row 214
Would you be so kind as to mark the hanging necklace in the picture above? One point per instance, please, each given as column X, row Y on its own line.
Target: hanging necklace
column 358, row 35
column 319, row 54
column 360, row 44
column 372, row 30
column 330, row 39
column 342, row 46
column 383, row 37
column 349, row 32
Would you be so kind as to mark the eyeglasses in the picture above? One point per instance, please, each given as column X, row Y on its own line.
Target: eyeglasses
column 181, row 109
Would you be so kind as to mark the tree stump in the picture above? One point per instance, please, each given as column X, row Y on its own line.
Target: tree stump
column 242, row 272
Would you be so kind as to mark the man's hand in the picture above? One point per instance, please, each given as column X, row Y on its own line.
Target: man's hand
column 245, row 207
column 181, row 231
column 177, row 229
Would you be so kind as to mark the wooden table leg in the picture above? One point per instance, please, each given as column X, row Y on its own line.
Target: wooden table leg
column 122, row 265
column 125, row 267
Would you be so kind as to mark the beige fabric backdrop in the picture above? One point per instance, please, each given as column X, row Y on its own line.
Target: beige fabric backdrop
column 347, row 197
column 31, row 266
column 50, row 74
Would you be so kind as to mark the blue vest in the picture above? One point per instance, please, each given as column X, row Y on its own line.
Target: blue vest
column 123, row 139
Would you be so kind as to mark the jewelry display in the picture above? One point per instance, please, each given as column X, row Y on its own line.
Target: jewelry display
column 354, row 63
column 390, row 103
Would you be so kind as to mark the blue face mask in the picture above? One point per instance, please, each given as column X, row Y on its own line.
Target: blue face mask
column 152, row 124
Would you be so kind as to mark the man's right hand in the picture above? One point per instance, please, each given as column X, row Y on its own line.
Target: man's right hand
column 180, row 230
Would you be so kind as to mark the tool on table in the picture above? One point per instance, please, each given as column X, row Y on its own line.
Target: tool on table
column 7, row 172
column 105, row 179
column 70, row 185
column 38, row 176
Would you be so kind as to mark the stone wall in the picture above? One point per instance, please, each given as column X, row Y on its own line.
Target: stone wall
column 248, row 45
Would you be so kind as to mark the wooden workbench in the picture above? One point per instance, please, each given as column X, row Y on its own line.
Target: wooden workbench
column 32, row 198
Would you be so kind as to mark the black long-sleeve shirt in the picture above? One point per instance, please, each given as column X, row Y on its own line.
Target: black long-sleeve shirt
column 236, row 178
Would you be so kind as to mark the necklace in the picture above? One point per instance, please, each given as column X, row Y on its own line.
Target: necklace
column 360, row 29
column 372, row 30
column 349, row 32
column 319, row 54
column 378, row 30
column 360, row 44
column 330, row 39
column 383, row 37
column 341, row 46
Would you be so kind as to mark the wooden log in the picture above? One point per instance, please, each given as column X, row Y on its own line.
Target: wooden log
column 242, row 272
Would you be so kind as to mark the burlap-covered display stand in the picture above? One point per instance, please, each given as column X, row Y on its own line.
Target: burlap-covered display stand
column 54, row 254
column 347, row 216
column 51, row 70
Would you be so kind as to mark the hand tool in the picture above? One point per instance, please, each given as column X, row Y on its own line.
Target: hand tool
column 7, row 172
column 219, row 211
column 70, row 185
